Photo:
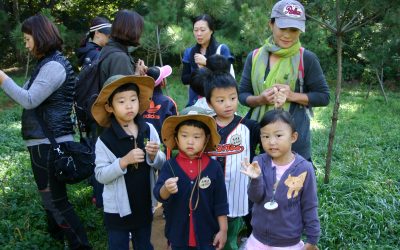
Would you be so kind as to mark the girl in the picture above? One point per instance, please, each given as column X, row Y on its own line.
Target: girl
column 283, row 190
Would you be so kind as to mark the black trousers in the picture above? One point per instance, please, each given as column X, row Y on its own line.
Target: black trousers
column 61, row 216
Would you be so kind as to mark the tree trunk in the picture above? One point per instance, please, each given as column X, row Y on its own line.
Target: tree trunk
column 335, row 108
column 16, row 10
column 380, row 80
column 158, row 46
column 369, row 90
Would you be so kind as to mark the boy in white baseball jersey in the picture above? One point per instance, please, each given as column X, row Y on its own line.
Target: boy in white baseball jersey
column 239, row 139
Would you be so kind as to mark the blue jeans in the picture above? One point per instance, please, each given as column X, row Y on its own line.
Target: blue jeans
column 118, row 239
column 194, row 248
column 61, row 217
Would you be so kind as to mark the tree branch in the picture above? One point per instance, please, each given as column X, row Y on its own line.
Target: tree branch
column 353, row 18
column 326, row 25
column 360, row 23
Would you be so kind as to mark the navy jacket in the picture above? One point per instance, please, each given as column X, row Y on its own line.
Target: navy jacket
column 212, row 203
column 296, row 195
column 161, row 107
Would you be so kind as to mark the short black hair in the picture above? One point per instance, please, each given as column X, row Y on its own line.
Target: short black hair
column 194, row 123
column 278, row 115
column 123, row 88
column 216, row 74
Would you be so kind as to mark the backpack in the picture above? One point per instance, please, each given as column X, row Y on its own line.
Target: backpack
column 218, row 52
column 87, row 88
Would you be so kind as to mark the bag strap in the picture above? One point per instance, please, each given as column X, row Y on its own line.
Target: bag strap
column 48, row 133
column 218, row 52
column 301, row 70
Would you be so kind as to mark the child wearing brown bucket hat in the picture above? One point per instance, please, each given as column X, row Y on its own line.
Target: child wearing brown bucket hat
column 191, row 185
column 127, row 155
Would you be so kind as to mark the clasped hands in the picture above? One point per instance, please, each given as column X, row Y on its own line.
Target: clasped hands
column 276, row 95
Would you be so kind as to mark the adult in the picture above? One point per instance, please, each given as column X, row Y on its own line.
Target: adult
column 48, row 94
column 94, row 41
column 273, row 71
column 206, row 45
column 126, row 31
column 87, row 53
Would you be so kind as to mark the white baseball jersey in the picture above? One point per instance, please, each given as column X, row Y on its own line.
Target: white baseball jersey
column 239, row 140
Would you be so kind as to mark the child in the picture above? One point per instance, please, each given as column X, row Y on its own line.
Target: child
column 239, row 139
column 191, row 185
column 161, row 106
column 216, row 63
column 283, row 189
column 125, row 163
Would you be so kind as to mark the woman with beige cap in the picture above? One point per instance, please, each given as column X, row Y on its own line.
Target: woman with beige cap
column 283, row 74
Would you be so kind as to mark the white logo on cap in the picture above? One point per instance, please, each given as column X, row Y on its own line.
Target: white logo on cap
column 292, row 10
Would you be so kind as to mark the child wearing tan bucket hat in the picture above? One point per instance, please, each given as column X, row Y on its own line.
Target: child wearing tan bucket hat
column 191, row 185
column 127, row 156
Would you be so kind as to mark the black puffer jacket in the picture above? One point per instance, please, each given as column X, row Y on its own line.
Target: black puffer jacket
column 56, row 109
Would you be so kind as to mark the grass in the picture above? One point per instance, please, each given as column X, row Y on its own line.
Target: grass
column 358, row 209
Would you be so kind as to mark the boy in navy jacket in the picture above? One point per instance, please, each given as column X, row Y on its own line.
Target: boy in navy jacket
column 191, row 185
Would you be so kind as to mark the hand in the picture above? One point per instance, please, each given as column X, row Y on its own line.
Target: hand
column 284, row 88
column 252, row 170
column 280, row 97
column 267, row 97
column 171, row 185
column 152, row 149
column 3, row 76
column 200, row 60
column 309, row 246
column 219, row 240
column 140, row 68
column 134, row 156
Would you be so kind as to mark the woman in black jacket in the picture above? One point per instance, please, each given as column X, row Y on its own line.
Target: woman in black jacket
column 48, row 94
column 126, row 31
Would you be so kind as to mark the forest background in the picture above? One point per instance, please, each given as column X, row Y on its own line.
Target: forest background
column 359, row 208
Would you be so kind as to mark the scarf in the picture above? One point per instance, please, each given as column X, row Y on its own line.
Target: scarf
column 284, row 71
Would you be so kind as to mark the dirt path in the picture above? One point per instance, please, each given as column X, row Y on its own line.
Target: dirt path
column 157, row 234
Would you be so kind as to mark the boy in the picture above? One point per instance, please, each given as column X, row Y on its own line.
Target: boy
column 126, row 170
column 191, row 185
column 239, row 139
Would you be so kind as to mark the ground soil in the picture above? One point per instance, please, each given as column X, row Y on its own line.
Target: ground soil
column 157, row 235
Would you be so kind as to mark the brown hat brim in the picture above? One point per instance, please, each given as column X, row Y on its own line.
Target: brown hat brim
column 145, row 85
column 169, row 125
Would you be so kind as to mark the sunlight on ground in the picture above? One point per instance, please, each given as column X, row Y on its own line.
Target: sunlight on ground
column 316, row 124
column 350, row 107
